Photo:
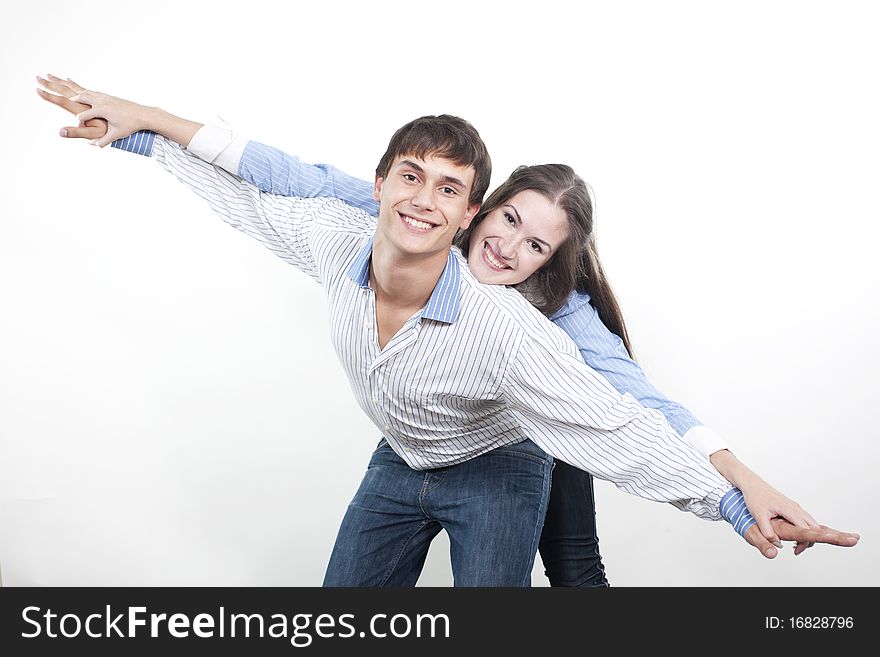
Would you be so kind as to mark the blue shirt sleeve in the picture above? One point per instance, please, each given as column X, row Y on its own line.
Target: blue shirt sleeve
column 604, row 352
column 272, row 170
column 735, row 511
column 140, row 143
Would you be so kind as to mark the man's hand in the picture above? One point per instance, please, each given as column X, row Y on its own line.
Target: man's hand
column 803, row 536
column 122, row 117
column 763, row 501
column 104, row 119
column 63, row 91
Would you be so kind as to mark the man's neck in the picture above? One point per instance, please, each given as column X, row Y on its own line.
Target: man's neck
column 402, row 280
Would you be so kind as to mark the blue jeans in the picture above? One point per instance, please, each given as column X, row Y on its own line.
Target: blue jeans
column 569, row 543
column 492, row 507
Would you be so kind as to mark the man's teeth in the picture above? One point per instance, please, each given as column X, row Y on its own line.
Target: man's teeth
column 491, row 258
column 415, row 222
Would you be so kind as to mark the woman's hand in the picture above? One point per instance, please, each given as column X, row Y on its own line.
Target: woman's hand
column 767, row 506
column 123, row 117
column 118, row 118
column 62, row 93
column 766, row 503
column 808, row 536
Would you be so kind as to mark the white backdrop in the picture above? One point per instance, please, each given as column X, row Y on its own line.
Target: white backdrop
column 171, row 411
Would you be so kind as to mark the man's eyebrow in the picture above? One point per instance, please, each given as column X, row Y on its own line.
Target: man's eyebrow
column 411, row 165
column 454, row 181
column 447, row 179
column 519, row 219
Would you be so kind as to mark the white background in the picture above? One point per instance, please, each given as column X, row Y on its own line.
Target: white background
column 171, row 412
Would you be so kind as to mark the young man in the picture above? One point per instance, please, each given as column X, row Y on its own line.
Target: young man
column 456, row 374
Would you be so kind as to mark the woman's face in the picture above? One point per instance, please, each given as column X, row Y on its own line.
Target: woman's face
column 516, row 239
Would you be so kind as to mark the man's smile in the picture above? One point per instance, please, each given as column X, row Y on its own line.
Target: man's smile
column 416, row 224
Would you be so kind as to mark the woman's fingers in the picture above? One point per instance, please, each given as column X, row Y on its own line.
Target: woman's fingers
column 70, row 105
column 89, row 114
column 73, row 85
column 56, row 85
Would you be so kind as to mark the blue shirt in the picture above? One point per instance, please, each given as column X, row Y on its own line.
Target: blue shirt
column 577, row 318
column 272, row 170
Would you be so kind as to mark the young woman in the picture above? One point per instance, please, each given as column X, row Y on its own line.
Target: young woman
column 534, row 232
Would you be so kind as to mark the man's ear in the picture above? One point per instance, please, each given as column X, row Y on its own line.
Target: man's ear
column 377, row 189
column 469, row 216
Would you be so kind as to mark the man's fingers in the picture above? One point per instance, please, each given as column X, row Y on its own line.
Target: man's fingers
column 105, row 140
column 797, row 516
column 821, row 534
column 82, row 132
column 754, row 537
column 829, row 536
column 767, row 531
column 801, row 547
column 61, row 101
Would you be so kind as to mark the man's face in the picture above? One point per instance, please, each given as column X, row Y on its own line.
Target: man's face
column 423, row 203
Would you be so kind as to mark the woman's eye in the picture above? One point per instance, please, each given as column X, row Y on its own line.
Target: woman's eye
column 536, row 247
column 509, row 219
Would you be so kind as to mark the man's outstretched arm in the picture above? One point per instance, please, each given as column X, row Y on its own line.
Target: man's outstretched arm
column 618, row 440
column 268, row 168
column 132, row 116
column 283, row 225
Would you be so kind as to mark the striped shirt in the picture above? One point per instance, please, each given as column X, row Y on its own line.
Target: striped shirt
column 476, row 369
column 277, row 172
column 272, row 170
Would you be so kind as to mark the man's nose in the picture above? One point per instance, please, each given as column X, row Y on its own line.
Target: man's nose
column 424, row 198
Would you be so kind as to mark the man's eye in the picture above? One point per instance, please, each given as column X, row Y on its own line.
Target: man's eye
column 410, row 177
column 449, row 190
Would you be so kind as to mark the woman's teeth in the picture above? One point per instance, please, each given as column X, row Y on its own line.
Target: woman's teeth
column 491, row 258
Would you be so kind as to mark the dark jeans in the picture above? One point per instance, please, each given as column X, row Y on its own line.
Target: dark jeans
column 492, row 507
column 569, row 542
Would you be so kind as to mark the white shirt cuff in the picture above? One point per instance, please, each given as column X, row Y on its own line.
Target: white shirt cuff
column 218, row 146
column 704, row 440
